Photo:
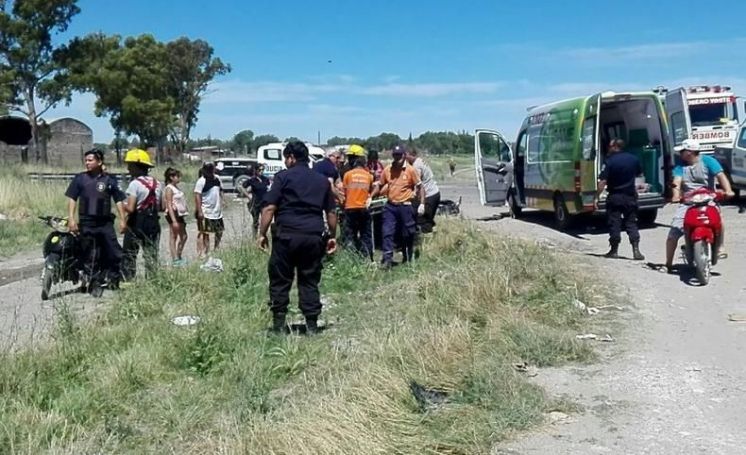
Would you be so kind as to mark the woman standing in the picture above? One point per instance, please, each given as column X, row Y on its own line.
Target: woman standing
column 176, row 211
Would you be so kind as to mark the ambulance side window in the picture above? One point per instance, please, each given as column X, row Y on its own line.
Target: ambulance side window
column 520, row 150
column 534, row 143
column 678, row 127
column 589, row 138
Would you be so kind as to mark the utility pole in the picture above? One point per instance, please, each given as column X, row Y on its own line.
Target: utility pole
column 318, row 137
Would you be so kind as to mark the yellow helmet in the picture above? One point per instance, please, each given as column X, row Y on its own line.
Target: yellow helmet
column 355, row 150
column 138, row 156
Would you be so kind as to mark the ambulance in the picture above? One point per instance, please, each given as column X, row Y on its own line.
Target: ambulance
column 561, row 148
column 707, row 113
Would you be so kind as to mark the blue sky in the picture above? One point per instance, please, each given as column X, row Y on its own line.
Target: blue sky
column 416, row 66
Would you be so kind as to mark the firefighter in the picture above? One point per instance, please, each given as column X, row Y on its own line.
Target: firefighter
column 90, row 195
column 358, row 187
column 144, row 203
column 297, row 201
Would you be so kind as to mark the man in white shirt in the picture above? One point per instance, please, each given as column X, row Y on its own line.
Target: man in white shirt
column 426, row 220
column 208, row 198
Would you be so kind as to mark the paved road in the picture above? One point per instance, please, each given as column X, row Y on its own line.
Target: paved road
column 673, row 383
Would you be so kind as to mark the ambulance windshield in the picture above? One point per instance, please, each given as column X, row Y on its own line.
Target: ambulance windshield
column 712, row 114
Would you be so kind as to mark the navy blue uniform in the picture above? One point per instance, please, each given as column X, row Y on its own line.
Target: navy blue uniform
column 326, row 168
column 619, row 172
column 259, row 185
column 301, row 197
column 94, row 195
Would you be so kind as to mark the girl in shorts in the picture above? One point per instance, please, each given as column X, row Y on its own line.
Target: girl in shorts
column 176, row 211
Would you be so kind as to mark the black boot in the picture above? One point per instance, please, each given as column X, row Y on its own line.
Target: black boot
column 312, row 325
column 636, row 255
column 613, row 251
column 279, row 326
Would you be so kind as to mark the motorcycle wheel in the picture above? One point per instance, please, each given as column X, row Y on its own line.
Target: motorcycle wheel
column 701, row 253
column 46, row 282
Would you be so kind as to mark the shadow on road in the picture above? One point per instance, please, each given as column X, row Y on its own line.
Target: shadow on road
column 580, row 226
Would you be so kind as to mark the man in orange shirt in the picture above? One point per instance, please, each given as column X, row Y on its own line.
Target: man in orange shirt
column 358, row 187
column 398, row 215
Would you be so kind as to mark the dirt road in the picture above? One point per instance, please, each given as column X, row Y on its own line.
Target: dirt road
column 26, row 319
column 673, row 382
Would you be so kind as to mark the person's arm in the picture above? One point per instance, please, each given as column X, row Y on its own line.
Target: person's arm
column 725, row 184
column 198, row 206
column 130, row 201
column 168, row 199
column 130, row 205
column 122, row 217
column 335, row 189
column 676, row 193
column 331, row 221
column 245, row 190
column 268, row 213
column 72, row 225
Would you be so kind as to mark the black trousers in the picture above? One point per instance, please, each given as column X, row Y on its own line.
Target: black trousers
column 291, row 254
column 101, row 253
column 256, row 211
column 143, row 231
column 359, row 232
column 621, row 212
column 426, row 221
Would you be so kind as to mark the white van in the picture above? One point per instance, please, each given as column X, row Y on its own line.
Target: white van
column 270, row 156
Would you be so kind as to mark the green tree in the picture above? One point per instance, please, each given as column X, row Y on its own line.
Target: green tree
column 336, row 140
column 190, row 67
column 384, row 141
column 30, row 56
column 242, row 142
column 264, row 139
column 131, row 82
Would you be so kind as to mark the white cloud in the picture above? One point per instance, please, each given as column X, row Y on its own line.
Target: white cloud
column 651, row 52
column 238, row 91
column 432, row 89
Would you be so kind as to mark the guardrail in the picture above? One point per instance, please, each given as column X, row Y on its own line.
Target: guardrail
column 57, row 176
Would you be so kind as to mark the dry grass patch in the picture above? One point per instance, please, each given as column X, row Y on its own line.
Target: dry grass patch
column 453, row 324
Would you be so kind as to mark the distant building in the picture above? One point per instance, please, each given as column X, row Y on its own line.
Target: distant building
column 65, row 139
column 206, row 153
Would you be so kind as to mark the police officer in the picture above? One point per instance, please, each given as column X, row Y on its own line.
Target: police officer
column 90, row 194
column 297, row 201
column 618, row 176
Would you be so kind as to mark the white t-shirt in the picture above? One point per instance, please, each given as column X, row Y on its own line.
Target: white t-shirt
column 426, row 177
column 212, row 205
column 137, row 188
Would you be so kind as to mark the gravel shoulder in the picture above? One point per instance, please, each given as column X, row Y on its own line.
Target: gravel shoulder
column 674, row 381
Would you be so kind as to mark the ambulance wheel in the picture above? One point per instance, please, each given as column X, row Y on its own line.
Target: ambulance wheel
column 515, row 207
column 561, row 215
column 647, row 217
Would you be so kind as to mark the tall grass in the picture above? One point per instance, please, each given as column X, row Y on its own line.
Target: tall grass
column 22, row 200
column 456, row 321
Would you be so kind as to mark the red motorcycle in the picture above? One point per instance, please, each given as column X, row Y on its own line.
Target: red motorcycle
column 703, row 227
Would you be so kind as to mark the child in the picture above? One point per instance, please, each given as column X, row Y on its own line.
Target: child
column 176, row 211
